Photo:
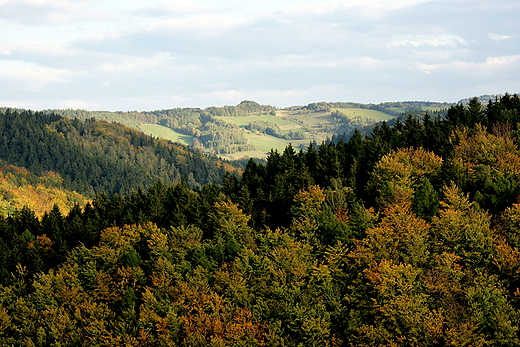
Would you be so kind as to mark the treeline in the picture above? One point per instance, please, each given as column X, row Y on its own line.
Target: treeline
column 392, row 108
column 97, row 157
column 132, row 119
column 406, row 237
column 245, row 108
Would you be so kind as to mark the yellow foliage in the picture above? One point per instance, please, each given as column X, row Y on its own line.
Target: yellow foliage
column 309, row 201
column 400, row 236
column 500, row 154
column 396, row 174
column 16, row 192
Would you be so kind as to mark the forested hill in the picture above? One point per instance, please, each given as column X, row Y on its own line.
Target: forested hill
column 94, row 157
column 407, row 237
column 250, row 129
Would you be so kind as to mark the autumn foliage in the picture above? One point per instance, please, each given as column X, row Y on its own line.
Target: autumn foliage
column 386, row 240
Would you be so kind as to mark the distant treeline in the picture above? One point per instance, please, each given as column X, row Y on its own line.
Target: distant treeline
column 391, row 108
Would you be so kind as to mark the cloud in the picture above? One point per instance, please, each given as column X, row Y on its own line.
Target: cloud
column 209, row 24
column 41, row 11
column 424, row 41
column 498, row 38
column 374, row 9
column 138, row 64
column 485, row 69
column 29, row 76
column 173, row 8
column 136, row 54
column 76, row 104
column 36, row 48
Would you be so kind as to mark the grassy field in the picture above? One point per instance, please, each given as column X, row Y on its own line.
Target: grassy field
column 364, row 113
column 315, row 123
column 397, row 109
column 167, row 133
column 265, row 142
column 284, row 124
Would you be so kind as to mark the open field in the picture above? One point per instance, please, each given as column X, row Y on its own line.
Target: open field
column 167, row 133
column 284, row 124
column 397, row 109
column 318, row 126
column 265, row 142
column 364, row 113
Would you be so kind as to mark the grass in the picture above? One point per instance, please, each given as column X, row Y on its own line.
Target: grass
column 244, row 121
column 265, row 142
column 397, row 109
column 167, row 133
column 364, row 113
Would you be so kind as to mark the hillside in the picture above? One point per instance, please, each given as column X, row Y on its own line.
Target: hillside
column 252, row 130
column 407, row 237
column 21, row 189
column 96, row 157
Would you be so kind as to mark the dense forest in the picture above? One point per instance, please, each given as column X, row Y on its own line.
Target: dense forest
column 94, row 157
column 407, row 237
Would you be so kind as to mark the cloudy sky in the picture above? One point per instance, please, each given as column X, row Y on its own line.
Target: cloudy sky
column 147, row 55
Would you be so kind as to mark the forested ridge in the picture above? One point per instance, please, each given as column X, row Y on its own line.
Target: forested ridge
column 407, row 237
column 94, row 157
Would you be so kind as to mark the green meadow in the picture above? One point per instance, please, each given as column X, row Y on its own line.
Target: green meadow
column 397, row 109
column 284, row 124
column 167, row 133
column 363, row 113
column 265, row 142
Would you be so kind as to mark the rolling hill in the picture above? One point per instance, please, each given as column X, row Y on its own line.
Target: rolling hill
column 234, row 132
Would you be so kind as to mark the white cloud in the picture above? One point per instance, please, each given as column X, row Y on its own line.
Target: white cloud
column 209, row 24
column 30, row 76
column 138, row 64
column 76, row 104
column 35, row 47
column 325, row 62
column 178, row 53
column 422, row 41
column 495, row 62
column 226, row 96
column 41, row 11
column 498, row 38
column 480, row 70
column 173, row 8
column 367, row 8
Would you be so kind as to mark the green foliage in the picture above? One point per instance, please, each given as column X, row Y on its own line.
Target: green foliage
column 402, row 238
column 97, row 157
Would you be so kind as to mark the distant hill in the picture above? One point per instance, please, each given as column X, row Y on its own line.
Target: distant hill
column 483, row 99
column 252, row 130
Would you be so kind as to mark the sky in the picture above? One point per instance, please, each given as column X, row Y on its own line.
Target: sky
column 146, row 55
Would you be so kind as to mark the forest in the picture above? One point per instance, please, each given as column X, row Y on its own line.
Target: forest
column 407, row 236
column 97, row 157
